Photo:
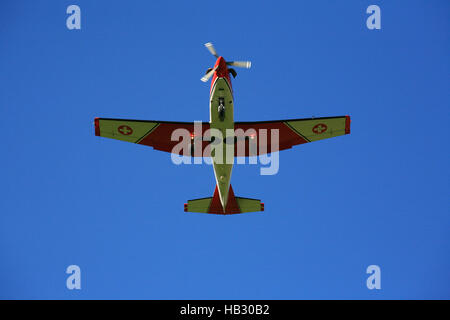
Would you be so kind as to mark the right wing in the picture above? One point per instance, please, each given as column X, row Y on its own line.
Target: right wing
column 290, row 133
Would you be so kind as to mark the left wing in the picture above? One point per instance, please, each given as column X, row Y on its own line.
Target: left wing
column 156, row 134
column 290, row 133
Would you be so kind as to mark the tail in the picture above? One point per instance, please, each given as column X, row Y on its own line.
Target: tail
column 234, row 205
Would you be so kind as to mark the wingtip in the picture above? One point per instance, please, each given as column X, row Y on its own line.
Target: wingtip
column 97, row 126
column 347, row 124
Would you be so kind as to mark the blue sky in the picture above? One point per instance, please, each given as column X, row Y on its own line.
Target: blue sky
column 378, row 196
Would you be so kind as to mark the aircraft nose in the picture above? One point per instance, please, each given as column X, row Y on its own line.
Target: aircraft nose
column 221, row 63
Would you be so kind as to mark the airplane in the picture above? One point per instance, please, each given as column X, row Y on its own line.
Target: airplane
column 158, row 134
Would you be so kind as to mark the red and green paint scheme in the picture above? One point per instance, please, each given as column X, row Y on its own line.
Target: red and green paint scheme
column 157, row 134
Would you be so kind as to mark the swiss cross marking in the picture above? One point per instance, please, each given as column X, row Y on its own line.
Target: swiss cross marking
column 125, row 130
column 319, row 128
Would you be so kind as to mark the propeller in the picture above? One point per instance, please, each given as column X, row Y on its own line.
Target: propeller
column 207, row 76
column 211, row 49
column 239, row 64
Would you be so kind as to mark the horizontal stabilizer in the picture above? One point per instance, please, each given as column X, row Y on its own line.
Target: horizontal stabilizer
column 234, row 205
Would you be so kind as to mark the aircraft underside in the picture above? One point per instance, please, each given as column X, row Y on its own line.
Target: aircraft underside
column 242, row 138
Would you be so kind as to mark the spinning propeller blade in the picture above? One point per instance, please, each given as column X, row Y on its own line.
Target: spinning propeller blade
column 241, row 64
column 211, row 49
column 207, row 76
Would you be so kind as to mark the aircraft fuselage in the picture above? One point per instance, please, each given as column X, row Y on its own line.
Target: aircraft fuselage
column 222, row 118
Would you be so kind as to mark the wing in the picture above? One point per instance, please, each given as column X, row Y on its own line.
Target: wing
column 290, row 133
column 156, row 134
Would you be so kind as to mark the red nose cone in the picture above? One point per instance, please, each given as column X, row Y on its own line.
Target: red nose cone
column 222, row 70
column 220, row 62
